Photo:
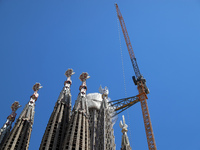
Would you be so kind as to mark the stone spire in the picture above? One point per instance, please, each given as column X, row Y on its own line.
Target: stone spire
column 94, row 102
column 77, row 136
column 59, row 120
column 125, row 141
column 105, row 139
column 19, row 136
column 5, row 130
column 93, row 126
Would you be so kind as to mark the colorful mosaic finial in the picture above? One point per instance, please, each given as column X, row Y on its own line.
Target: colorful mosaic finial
column 37, row 86
column 83, row 88
column 35, row 95
column 12, row 116
column 69, row 73
column 84, row 76
column 15, row 106
column 68, row 82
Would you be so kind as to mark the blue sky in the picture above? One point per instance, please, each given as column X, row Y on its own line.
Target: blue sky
column 40, row 40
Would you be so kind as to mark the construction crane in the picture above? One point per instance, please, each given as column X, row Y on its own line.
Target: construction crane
column 123, row 104
column 138, row 79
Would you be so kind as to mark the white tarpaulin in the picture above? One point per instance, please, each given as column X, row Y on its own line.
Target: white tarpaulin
column 94, row 100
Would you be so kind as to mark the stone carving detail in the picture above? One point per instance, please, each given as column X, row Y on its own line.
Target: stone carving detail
column 59, row 121
column 125, row 145
column 10, row 119
column 19, row 136
column 83, row 88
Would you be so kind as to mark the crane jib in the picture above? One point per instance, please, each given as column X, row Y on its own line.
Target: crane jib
column 136, row 68
column 128, row 43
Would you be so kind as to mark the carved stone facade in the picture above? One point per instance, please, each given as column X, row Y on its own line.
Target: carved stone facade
column 89, row 118
column 19, row 137
column 89, row 126
column 78, row 136
column 59, row 120
column 105, row 139
column 93, row 126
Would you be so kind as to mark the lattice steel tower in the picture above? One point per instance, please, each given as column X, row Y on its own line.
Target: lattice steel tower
column 19, row 137
column 59, row 120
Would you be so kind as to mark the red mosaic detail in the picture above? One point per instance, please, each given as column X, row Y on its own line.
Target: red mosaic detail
column 83, row 76
column 69, row 72
column 36, row 87
column 14, row 106
column 67, row 82
column 11, row 118
column 34, row 97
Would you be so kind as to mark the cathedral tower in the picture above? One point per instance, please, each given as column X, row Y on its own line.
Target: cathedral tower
column 5, row 130
column 94, row 102
column 105, row 139
column 77, row 136
column 19, row 137
column 59, row 120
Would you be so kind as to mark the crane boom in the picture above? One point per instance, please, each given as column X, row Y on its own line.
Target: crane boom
column 128, row 44
column 141, row 86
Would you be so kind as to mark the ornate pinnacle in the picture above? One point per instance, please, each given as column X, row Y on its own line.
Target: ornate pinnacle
column 12, row 116
column 10, row 119
column 15, row 106
column 104, row 91
column 26, row 115
column 84, row 76
column 125, row 145
column 35, row 95
column 123, row 125
column 69, row 73
column 36, row 87
column 83, row 88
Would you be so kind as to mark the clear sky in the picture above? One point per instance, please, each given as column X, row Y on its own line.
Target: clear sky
column 40, row 40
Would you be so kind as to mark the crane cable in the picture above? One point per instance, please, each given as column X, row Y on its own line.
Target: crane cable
column 124, row 78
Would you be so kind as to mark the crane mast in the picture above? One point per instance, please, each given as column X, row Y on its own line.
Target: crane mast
column 141, row 85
